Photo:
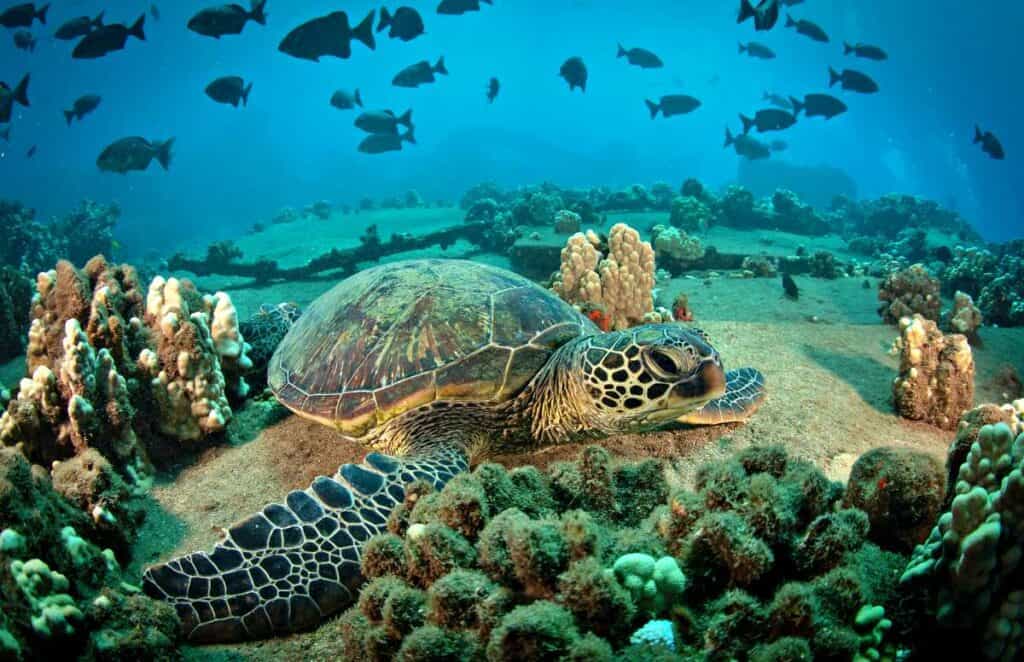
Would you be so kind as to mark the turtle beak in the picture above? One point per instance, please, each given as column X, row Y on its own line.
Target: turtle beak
column 704, row 384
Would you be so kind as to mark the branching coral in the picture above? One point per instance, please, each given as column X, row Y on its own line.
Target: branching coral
column 793, row 215
column 968, row 573
column 100, row 352
column 908, row 292
column 620, row 284
column 15, row 295
column 87, row 230
column 936, row 380
column 567, row 222
column 1002, row 299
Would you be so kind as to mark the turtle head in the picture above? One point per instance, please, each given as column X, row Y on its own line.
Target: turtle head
column 631, row 381
column 642, row 378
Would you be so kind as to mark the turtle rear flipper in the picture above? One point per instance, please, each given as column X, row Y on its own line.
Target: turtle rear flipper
column 744, row 393
column 294, row 564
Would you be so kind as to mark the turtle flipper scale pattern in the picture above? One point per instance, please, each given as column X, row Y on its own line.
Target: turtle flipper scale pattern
column 293, row 564
column 744, row 393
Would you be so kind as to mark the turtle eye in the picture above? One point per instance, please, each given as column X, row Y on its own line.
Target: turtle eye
column 662, row 363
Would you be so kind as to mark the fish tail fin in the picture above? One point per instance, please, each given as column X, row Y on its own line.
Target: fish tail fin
column 136, row 29
column 364, row 32
column 653, row 107
column 978, row 136
column 245, row 94
column 583, row 86
column 358, row 99
column 98, row 21
column 747, row 123
column 405, row 118
column 69, row 115
column 797, row 105
column 163, row 152
column 833, row 77
column 21, row 91
column 439, row 68
column 622, row 51
column 490, row 2
column 741, row 46
column 385, row 19
column 41, row 13
column 409, row 136
column 257, row 11
column 789, row 21
column 847, row 48
column 746, row 11
column 728, row 137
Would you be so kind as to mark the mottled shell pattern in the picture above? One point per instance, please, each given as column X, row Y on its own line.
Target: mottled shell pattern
column 402, row 335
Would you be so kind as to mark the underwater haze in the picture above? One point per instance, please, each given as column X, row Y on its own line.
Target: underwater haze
column 951, row 65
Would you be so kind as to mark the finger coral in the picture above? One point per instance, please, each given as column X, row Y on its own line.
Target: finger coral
column 936, row 380
column 621, row 283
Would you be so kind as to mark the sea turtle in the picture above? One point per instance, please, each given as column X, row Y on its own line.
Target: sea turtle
column 431, row 363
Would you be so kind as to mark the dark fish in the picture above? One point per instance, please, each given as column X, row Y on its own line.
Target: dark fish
column 419, row 74
column 107, row 39
column 378, row 143
column 406, row 23
column 769, row 119
column 866, row 51
column 78, row 27
column 31, row 152
column 383, row 121
column 754, row 49
column 989, row 143
column 344, row 100
column 789, row 287
column 673, row 104
column 82, row 106
column 492, row 89
column 154, row 11
column 24, row 40
column 21, row 16
column 818, row 105
column 456, row 7
column 134, row 153
column 229, row 89
column 790, row 3
column 575, row 73
column 327, row 35
column 777, row 100
column 9, row 97
column 227, row 19
column 747, row 146
column 5, row 133
column 641, row 57
column 806, row 28
column 765, row 14
column 852, row 80
column 778, row 145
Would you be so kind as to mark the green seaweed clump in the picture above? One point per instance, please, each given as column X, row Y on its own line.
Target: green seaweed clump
column 761, row 561
column 59, row 589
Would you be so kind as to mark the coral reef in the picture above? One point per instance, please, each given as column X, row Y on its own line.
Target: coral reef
column 28, row 246
column 970, row 270
column 263, row 332
column 965, row 317
column 620, row 284
column 536, row 207
column 130, row 374
column 567, row 222
column 912, row 291
column 321, row 209
column 1001, row 300
column 891, row 214
column 792, row 215
column 676, row 247
column 574, row 563
column 759, row 266
column 86, row 231
column 60, row 589
column 936, row 380
column 15, row 297
column 967, row 576
column 823, row 265
column 690, row 214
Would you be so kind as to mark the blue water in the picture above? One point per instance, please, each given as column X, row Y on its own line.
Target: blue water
column 951, row 64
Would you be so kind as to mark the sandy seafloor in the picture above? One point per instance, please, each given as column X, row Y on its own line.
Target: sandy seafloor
column 826, row 359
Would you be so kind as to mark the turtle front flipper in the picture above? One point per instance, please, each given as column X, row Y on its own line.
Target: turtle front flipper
column 744, row 393
column 293, row 564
